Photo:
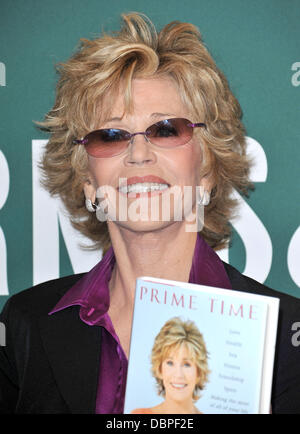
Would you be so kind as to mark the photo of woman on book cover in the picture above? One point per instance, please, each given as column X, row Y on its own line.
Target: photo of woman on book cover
column 179, row 366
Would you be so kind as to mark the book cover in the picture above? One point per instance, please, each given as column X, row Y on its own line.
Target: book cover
column 232, row 339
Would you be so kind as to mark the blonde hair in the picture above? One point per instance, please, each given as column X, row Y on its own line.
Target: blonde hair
column 98, row 69
column 171, row 337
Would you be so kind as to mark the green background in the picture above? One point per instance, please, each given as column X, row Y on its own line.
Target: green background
column 254, row 42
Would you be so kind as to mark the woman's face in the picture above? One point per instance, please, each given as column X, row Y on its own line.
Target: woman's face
column 179, row 375
column 153, row 99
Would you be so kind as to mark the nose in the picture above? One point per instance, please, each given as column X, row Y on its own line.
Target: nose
column 139, row 151
column 178, row 372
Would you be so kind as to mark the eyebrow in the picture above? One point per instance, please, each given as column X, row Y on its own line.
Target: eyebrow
column 186, row 358
column 153, row 115
column 159, row 115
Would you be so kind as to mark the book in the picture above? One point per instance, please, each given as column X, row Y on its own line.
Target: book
column 238, row 332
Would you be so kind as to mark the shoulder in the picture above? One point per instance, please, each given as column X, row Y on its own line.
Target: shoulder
column 243, row 283
column 289, row 306
column 40, row 298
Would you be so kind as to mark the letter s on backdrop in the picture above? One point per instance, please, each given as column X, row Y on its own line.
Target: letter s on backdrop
column 256, row 239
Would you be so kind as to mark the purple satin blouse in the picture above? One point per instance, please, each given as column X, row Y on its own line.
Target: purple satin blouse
column 92, row 294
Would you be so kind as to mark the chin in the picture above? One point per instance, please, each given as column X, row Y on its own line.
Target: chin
column 144, row 226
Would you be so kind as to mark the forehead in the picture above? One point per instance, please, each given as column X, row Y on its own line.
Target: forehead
column 181, row 351
column 148, row 96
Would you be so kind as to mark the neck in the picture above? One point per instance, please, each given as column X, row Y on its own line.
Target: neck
column 154, row 254
column 170, row 406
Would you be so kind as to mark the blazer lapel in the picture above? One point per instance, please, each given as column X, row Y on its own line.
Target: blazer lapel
column 73, row 350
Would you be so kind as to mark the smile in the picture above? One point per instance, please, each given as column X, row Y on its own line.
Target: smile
column 178, row 386
column 143, row 187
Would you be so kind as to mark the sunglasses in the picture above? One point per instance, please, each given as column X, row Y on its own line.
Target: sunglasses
column 109, row 142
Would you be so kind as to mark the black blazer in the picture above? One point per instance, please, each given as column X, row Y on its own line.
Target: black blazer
column 50, row 364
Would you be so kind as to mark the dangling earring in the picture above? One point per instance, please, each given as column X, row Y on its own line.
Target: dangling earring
column 95, row 207
column 203, row 196
column 90, row 206
column 202, row 199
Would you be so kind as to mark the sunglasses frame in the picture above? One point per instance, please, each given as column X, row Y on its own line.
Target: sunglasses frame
column 130, row 136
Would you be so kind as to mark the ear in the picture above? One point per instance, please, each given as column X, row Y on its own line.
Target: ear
column 89, row 191
column 207, row 174
column 159, row 374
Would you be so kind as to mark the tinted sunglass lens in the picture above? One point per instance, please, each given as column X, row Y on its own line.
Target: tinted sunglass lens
column 107, row 142
column 170, row 132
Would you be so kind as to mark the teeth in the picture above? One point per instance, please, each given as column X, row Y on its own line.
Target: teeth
column 142, row 187
column 179, row 386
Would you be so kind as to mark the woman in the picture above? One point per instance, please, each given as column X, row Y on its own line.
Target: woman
column 179, row 366
column 72, row 334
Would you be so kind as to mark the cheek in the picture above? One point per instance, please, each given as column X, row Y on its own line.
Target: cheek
column 165, row 372
column 101, row 171
column 188, row 162
column 196, row 155
column 194, row 375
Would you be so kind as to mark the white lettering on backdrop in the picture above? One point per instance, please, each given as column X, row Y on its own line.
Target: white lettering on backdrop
column 48, row 214
column 253, row 233
column 2, row 74
column 4, row 184
column 296, row 77
column 293, row 257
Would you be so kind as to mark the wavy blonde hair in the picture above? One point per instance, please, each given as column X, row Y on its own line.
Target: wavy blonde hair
column 97, row 70
column 172, row 335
